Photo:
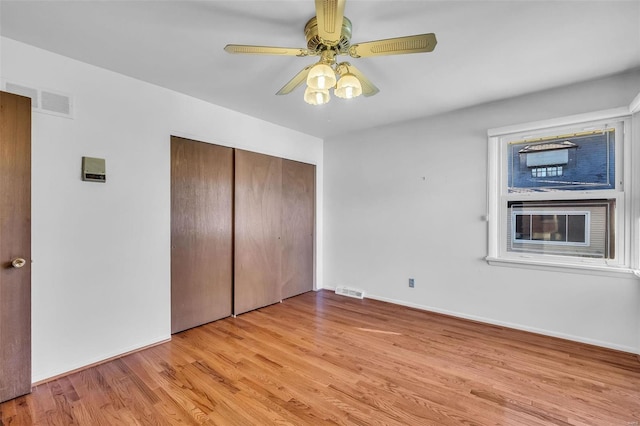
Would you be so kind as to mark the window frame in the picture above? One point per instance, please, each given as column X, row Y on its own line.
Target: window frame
column 626, row 214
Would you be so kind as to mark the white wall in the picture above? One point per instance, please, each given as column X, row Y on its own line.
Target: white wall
column 101, row 252
column 408, row 200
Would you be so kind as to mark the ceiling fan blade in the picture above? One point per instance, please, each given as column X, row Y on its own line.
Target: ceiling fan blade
column 296, row 81
column 266, row 50
column 394, row 46
column 329, row 14
column 368, row 88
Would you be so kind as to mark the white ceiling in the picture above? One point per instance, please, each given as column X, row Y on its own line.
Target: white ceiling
column 487, row 50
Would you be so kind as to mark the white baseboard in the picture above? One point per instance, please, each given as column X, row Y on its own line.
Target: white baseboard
column 515, row 326
column 492, row 321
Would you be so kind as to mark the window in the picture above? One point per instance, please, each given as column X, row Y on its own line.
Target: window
column 539, row 172
column 584, row 160
column 560, row 194
column 553, row 227
column 579, row 228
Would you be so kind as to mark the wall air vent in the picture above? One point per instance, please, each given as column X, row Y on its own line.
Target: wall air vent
column 55, row 103
column 42, row 100
column 18, row 89
column 351, row 292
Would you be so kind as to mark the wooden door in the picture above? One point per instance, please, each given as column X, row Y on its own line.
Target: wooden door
column 258, row 194
column 15, row 246
column 201, row 233
column 298, row 207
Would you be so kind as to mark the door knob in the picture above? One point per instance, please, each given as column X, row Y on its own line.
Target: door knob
column 18, row 262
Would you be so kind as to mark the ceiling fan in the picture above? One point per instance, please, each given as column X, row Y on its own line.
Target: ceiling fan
column 328, row 35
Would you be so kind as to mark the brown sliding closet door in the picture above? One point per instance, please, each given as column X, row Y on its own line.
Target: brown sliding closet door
column 258, row 199
column 201, row 233
column 298, row 202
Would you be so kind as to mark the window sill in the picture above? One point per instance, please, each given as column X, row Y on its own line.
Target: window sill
column 609, row 271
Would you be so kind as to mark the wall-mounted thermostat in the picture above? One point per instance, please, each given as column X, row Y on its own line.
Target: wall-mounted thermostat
column 94, row 169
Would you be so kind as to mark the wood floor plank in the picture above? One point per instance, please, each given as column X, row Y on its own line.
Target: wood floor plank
column 323, row 359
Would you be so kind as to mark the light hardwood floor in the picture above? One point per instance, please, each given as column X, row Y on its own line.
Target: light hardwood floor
column 319, row 359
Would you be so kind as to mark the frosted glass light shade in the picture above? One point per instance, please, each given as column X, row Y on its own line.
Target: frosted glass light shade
column 321, row 76
column 348, row 87
column 316, row 96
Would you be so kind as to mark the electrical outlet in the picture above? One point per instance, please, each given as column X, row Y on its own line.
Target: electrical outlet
column 412, row 283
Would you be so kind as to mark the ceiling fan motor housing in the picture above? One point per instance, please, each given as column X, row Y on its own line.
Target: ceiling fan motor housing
column 316, row 44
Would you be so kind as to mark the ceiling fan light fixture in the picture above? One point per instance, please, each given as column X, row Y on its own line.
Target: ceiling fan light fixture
column 321, row 77
column 348, row 87
column 328, row 36
column 316, row 96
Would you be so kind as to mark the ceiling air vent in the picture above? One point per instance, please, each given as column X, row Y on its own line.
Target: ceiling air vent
column 42, row 100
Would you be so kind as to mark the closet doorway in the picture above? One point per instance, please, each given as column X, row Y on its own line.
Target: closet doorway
column 242, row 231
